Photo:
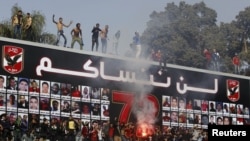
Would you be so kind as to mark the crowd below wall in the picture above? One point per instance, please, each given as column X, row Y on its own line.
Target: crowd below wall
column 62, row 130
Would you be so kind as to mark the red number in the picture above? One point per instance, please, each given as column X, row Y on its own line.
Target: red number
column 127, row 100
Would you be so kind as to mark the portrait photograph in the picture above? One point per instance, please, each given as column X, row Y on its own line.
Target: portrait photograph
column 45, row 87
column 23, row 102
column 2, row 83
column 34, row 86
column 23, row 85
column 11, row 84
column 55, row 88
column 34, row 103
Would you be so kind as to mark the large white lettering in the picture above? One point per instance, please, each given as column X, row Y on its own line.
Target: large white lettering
column 124, row 76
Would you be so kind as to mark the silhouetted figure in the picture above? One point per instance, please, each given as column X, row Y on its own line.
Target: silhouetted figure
column 95, row 35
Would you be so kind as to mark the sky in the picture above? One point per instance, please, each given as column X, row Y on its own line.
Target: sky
column 127, row 16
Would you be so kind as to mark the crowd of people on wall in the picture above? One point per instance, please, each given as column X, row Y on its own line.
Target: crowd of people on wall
column 213, row 60
column 23, row 23
column 19, row 25
column 212, row 57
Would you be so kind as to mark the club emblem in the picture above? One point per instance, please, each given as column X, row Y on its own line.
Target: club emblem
column 12, row 59
column 233, row 90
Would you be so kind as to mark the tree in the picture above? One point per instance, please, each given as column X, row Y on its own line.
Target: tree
column 5, row 29
column 38, row 24
column 236, row 35
column 184, row 30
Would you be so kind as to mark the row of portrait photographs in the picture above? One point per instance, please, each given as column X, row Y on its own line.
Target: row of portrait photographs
column 10, row 84
column 29, row 119
column 53, row 106
column 172, row 103
column 175, row 118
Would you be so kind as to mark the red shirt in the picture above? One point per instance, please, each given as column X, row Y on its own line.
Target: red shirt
column 204, row 106
column 31, row 89
column 166, row 104
column 111, row 131
column 189, row 106
column 94, row 135
column 76, row 94
column 207, row 55
column 158, row 56
column 1, row 102
column 85, row 132
column 236, row 60
column 128, row 133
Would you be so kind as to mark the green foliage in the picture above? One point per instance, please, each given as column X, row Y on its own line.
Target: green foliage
column 184, row 31
column 38, row 24
column 5, row 29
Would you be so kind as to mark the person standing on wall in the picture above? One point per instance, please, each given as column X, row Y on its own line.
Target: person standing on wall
column 236, row 63
column 95, row 35
column 216, row 60
column 137, row 44
column 116, row 41
column 77, row 36
column 208, row 57
column 161, row 57
column 104, row 38
column 60, row 31
column 27, row 27
column 17, row 22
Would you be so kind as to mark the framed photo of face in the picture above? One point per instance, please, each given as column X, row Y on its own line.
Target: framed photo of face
column 11, row 84
column 2, row 83
column 11, row 102
column 182, row 104
column 197, row 105
column 174, row 102
column 55, row 106
column 23, row 85
column 2, row 101
column 55, row 89
column 34, row 86
column 76, row 109
column 45, row 87
column 34, row 104
column 105, row 112
column 23, row 103
column 86, row 93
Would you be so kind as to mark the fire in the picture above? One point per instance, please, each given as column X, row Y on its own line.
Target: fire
column 144, row 130
column 145, row 111
column 144, row 134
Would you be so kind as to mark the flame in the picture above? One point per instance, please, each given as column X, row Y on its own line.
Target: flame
column 144, row 130
column 144, row 134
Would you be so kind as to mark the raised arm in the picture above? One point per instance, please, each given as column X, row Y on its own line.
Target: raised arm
column 53, row 19
column 68, row 24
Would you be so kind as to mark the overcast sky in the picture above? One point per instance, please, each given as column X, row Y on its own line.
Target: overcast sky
column 125, row 15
